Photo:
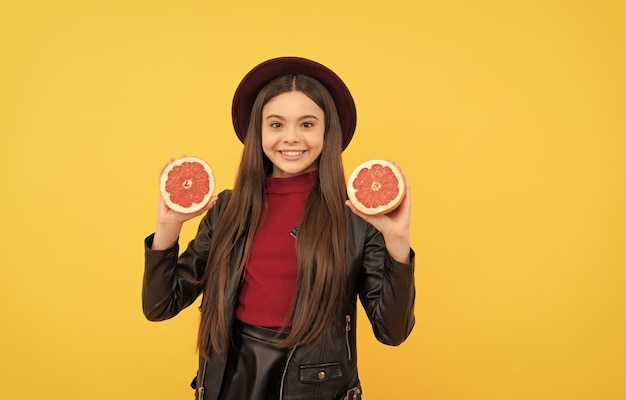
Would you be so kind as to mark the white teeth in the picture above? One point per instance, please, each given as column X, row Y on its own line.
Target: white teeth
column 291, row 153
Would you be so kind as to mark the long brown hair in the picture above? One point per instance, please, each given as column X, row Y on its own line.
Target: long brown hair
column 322, row 238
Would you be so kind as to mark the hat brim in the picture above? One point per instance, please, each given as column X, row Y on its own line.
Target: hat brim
column 262, row 74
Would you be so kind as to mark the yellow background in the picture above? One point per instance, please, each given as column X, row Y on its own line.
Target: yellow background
column 508, row 118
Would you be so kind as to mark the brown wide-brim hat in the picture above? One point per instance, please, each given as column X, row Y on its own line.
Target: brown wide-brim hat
column 267, row 71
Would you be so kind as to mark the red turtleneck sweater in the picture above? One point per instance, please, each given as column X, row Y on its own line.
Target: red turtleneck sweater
column 269, row 282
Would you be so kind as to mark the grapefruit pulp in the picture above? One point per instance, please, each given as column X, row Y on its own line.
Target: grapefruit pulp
column 187, row 184
column 376, row 187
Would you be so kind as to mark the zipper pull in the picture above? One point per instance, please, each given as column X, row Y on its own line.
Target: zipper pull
column 348, row 319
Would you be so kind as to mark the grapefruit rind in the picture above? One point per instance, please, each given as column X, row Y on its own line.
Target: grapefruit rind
column 195, row 205
column 363, row 186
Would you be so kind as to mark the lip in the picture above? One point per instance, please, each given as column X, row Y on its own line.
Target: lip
column 292, row 154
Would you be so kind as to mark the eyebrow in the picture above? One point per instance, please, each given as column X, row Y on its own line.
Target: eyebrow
column 307, row 116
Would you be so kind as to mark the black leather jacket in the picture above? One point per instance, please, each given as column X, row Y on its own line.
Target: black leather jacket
column 326, row 371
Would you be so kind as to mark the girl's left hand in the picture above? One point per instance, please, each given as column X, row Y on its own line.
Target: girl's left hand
column 394, row 226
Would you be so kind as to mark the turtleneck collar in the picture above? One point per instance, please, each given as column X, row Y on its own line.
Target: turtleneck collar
column 299, row 183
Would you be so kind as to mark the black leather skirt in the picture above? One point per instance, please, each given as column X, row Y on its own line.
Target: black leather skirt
column 255, row 367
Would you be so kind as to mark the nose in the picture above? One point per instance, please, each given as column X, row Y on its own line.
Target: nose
column 291, row 134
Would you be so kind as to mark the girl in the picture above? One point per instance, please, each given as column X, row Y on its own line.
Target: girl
column 280, row 259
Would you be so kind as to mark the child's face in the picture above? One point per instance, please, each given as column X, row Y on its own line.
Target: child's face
column 292, row 132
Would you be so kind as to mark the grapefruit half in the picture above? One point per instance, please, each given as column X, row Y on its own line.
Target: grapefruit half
column 376, row 187
column 187, row 184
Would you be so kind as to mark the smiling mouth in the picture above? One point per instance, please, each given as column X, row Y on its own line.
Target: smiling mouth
column 291, row 153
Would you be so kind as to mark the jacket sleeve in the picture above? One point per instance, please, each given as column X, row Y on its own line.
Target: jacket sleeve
column 172, row 282
column 387, row 290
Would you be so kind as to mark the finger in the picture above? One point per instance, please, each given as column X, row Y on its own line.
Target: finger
column 206, row 208
column 406, row 179
column 211, row 202
column 171, row 160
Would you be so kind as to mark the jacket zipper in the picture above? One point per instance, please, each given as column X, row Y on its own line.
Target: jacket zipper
column 282, row 379
column 348, row 320
column 202, row 375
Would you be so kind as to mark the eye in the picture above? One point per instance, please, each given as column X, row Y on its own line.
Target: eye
column 307, row 124
column 276, row 125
